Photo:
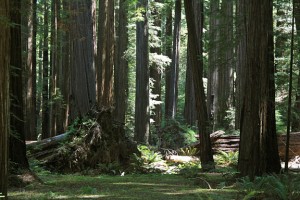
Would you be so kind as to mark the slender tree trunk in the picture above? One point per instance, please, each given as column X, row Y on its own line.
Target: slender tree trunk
column 168, row 52
column 258, row 151
column 213, row 55
column 206, row 154
column 82, row 73
column 225, row 71
column 45, row 115
column 155, row 72
column 121, row 64
column 172, row 92
column 142, row 118
column 30, row 117
column 17, row 147
column 4, row 94
column 105, row 53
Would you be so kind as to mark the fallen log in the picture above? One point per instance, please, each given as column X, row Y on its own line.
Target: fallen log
column 181, row 159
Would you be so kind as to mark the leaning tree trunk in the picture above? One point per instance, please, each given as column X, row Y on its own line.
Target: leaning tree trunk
column 4, row 94
column 206, row 154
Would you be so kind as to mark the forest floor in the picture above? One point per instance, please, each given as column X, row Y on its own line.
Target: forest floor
column 134, row 186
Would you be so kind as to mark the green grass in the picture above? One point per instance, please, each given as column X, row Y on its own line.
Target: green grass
column 149, row 186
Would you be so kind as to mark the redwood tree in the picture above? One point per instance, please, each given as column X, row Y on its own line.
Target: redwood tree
column 17, row 147
column 82, row 73
column 142, row 118
column 258, row 151
column 4, row 93
column 206, row 154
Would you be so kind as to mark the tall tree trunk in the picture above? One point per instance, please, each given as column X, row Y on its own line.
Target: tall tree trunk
column 121, row 64
column 225, row 71
column 213, row 55
column 206, row 154
column 189, row 114
column 17, row 147
column 4, row 94
column 172, row 92
column 105, row 54
column 142, row 118
column 258, row 151
column 296, row 119
column 155, row 72
column 45, row 115
column 168, row 52
column 56, row 125
column 82, row 77
column 30, row 102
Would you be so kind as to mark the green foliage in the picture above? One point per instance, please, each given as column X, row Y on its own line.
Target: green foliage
column 113, row 168
column 188, row 151
column 147, row 160
column 281, row 187
column 227, row 158
column 190, row 169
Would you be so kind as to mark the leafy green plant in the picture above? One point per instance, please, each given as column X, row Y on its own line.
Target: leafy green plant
column 188, row 151
column 271, row 187
column 148, row 160
column 227, row 158
column 190, row 169
column 113, row 168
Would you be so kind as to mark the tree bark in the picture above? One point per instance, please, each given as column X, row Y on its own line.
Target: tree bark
column 189, row 113
column 82, row 73
column 172, row 92
column 258, row 151
column 17, row 147
column 45, row 113
column 121, row 64
column 4, row 93
column 105, row 53
column 30, row 102
column 142, row 118
column 206, row 154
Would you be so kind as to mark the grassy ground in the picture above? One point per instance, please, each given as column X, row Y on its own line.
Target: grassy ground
column 149, row 186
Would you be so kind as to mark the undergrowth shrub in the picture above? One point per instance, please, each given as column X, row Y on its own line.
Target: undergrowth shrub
column 281, row 187
column 147, row 160
column 227, row 159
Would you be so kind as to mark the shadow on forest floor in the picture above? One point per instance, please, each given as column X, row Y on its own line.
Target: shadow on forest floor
column 150, row 186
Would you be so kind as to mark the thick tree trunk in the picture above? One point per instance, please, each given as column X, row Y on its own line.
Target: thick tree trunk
column 206, row 154
column 172, row 92
column 189, row 114
column 30, row 102
column 296, row 119
column 105, row 54
column 258, row 151
column 121, row 64
column 82, row 73
column 17, row 148
column 4, row 94
column 142, row 118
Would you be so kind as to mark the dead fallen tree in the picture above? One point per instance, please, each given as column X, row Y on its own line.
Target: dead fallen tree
column 221, row 142
column 93, row 140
